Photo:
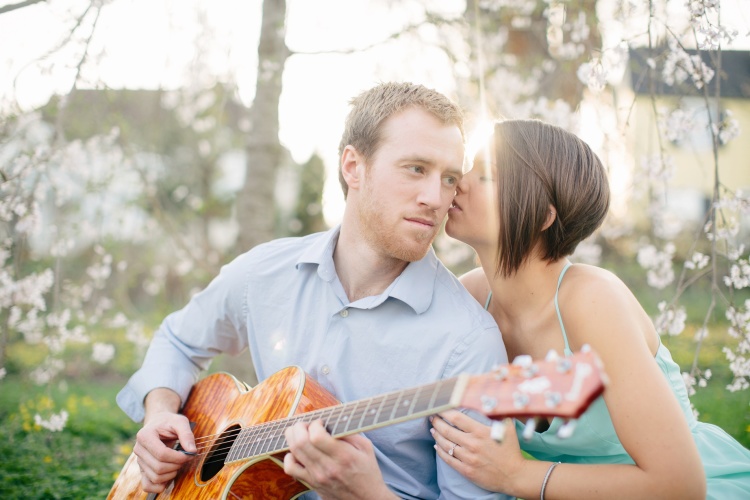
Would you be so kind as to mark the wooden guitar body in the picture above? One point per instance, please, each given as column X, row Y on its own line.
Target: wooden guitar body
column 240, row 432
column 219, row 405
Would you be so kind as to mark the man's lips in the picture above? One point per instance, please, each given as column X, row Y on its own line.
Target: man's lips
column 420, row 220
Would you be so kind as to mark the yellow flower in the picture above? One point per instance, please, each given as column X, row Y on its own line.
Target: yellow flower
column 47, row 459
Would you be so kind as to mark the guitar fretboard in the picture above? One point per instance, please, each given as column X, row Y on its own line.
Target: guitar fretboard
column 348, row 418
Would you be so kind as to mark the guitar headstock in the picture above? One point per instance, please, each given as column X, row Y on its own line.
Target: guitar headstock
column 556, row 387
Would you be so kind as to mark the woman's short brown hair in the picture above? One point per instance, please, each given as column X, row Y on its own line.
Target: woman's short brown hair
column 539, row 165
column 372, row 107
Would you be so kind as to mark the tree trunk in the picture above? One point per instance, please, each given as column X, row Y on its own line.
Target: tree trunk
column 255, row 205
column 264, row 153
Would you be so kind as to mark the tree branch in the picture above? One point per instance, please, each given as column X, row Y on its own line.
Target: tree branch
column 16, row 6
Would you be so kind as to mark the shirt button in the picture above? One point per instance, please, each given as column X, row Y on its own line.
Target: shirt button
column 326, row 370
column 344, row 313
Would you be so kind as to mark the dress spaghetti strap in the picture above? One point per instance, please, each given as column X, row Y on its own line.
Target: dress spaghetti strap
column 568, row 352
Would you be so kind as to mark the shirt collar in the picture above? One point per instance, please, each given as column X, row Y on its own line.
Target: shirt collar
column 414, row 287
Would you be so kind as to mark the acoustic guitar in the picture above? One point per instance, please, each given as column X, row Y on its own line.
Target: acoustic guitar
column 239, row 430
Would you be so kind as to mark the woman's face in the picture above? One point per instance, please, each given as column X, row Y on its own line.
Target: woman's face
column 473, row 218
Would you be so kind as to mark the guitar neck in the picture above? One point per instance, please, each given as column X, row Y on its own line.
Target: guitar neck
column 353, row 417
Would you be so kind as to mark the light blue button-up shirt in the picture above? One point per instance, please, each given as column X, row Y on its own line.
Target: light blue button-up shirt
column 283, row 300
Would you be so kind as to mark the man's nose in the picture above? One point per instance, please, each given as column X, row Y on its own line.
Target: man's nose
column 432, row 193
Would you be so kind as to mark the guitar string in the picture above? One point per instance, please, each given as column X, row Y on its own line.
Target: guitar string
column 250, row 437
column 269, row 430
column 389, row 409
column 389, row 403
column 274, row 435
column 322, row 412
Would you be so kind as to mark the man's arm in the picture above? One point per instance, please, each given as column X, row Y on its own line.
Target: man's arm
column 163, row 426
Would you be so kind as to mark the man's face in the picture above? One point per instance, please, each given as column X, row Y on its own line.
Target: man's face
column 409, row 184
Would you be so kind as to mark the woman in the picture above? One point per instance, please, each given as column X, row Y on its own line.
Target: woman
column 545, row 191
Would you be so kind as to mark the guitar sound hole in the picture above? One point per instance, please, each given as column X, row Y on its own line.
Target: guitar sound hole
column 215, row 460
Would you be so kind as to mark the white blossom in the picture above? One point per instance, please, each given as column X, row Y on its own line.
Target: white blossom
column 102, row 353
column 728, row 128
column 739, row 275
column 48, row 370
column 658, row 264
column 697, row 261
column 670, row 320
column 679, row 66
column 593, row 75
column 689, row 383
column 55, row 423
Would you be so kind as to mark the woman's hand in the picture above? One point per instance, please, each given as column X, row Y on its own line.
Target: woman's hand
column 466, row 445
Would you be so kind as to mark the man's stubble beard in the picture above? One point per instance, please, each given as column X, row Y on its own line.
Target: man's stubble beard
column 387, row 239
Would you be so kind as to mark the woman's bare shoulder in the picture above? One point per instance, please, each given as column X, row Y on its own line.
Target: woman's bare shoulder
column 476, row 283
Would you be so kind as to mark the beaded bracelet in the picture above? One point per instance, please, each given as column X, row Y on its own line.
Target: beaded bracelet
column 546, row 478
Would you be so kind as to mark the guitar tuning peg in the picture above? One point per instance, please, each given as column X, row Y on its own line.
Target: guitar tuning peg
column 497, row 431
column 564, row 365
column 500, row 373
column 488, row 403
column 529, row 428
column 566, row 430
column 521, row 400
column 552, row 399
column 523, row 360
column 552, row 355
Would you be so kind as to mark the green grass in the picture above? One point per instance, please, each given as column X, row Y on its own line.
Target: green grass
column 78, row 463
column 82, row 461
column 714, row 403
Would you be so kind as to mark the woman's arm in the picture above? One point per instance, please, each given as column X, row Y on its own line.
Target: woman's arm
column 598, row 310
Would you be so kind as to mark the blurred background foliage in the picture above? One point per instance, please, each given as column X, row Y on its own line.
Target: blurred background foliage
column 117, row 203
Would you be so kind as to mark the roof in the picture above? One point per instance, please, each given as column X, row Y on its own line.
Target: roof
column 735, row 73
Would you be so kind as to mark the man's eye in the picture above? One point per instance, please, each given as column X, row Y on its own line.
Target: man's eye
column 451, row 181
column 416, row 169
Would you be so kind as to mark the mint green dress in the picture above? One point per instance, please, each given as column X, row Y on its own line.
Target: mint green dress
column 725, row 461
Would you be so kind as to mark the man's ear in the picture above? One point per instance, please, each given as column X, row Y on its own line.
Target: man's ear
column 551, row 216
column 351, row 160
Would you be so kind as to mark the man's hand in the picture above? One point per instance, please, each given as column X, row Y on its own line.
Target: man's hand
column 335, row 468
column 157, row 460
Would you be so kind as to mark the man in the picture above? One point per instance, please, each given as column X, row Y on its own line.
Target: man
column 365, row 308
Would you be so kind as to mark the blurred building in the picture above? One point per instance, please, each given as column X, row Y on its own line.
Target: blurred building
column 664, row 86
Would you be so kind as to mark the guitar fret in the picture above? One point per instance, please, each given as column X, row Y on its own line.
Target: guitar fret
column 376, row 413
column 443, row 395
column 364, row 413
column 395, row 405
column 237, row 450
column 267, row 438
column 258, row 447
column 280, row 442
column 334, row 413
column 404, row 406
column 273, row 436
column 351, row 417
column 343, row 418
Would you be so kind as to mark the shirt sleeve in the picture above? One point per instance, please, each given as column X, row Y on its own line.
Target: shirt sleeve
column 480, row 353
column 211, row 323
